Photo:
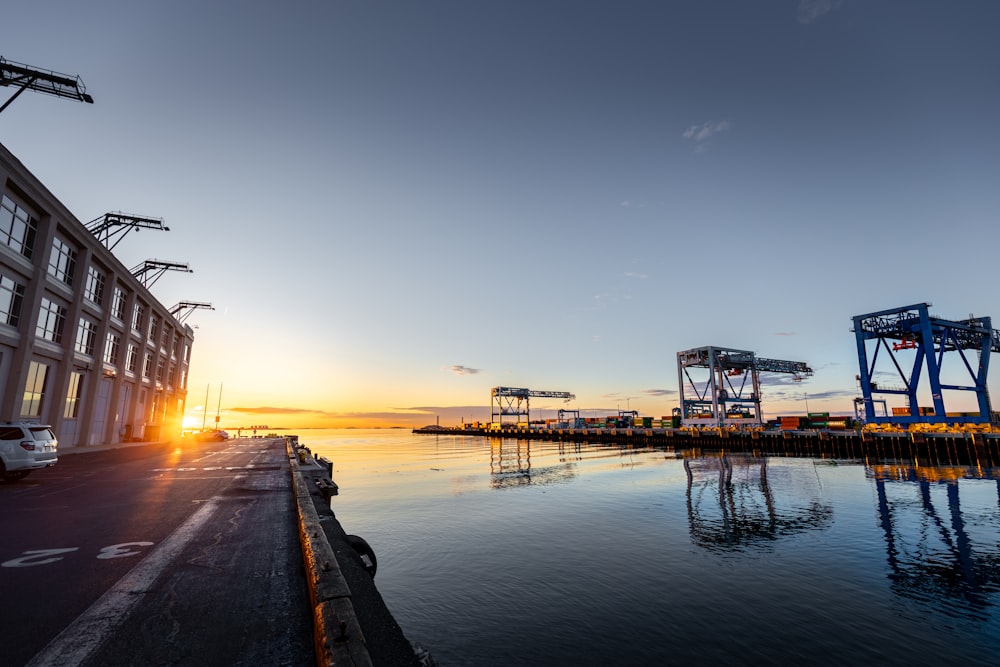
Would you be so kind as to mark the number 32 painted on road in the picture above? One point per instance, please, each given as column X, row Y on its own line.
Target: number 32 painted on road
column 45, row 556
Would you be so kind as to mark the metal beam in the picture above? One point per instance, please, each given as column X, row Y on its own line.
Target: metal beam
column 42, row 81
column 121, row 224
column 157, row 268
column 188, row 307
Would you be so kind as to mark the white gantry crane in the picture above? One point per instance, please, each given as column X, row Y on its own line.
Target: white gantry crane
column 730, row 395
column 516, row 402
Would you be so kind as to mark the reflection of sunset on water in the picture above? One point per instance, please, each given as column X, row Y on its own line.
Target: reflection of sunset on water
column 473, row 532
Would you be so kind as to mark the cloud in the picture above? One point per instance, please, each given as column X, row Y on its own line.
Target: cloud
column 660, row 392
column 640, row 276
column 703, row 132
column 810, row 11
column 784, row 333
column 463, row 370
column 781, row 380
column 275, row 411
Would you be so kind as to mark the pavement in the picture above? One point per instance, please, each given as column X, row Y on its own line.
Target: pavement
column 351, row 624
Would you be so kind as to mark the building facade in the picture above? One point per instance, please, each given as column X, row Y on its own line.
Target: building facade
column 84, row 345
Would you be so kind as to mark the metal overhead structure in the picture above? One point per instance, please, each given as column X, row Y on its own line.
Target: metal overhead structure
column 183, row 310
column 150, row 270
column 730, row 395
column 42, row 81
column 914, row 331
column 516, row 402
column 116, row 225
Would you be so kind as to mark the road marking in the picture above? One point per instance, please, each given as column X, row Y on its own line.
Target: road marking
column 38, row 557
column 81, row 638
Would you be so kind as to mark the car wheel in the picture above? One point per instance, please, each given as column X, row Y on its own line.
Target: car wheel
column 12, row 476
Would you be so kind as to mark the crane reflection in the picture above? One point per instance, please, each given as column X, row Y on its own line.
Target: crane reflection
column 733, row 504
column 510, row 465
column 936, row 547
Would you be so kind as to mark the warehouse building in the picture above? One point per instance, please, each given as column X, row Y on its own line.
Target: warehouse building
column 84, row 345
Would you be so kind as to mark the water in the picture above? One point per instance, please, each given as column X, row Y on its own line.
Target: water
column 508, row 552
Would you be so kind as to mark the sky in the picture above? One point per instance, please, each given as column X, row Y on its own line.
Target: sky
column 395, row 206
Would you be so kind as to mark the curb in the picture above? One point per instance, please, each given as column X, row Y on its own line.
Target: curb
column 337, row 634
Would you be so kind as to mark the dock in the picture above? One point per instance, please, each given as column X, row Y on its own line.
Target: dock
column 944, row 447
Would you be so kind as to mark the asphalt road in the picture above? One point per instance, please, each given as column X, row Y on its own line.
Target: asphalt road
column 155, row 555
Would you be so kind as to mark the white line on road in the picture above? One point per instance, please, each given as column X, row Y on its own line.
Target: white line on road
column 84, row 636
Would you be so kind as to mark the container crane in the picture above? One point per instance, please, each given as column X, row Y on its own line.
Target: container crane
column 515, row 402
column 929, row 337
column 722, row 399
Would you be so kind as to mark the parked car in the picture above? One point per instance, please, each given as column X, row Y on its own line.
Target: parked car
column 215, row 435
column 25, row 447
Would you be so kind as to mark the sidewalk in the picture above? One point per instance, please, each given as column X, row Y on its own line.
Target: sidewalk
column 350, row 621
column 67, row 451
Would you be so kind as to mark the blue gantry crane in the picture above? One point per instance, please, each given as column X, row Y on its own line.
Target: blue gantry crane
column 912, row 330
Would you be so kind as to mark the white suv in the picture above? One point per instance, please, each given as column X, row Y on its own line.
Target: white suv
column 26, row 447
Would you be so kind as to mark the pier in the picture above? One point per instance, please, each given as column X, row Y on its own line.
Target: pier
column 949, row 447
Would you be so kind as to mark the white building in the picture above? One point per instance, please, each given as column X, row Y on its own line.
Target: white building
column 84, row 345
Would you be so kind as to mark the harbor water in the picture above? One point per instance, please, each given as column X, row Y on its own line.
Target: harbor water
column 501, row 552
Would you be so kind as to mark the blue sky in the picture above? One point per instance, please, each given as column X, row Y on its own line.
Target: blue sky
column 395, row 206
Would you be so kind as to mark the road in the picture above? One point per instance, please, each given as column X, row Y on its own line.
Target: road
column 155, row 555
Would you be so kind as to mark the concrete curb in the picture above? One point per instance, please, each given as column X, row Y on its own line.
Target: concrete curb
column 337, row 633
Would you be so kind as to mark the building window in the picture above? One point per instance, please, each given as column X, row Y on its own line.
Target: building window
column 154, row 324
column 187, row 353
column 111, row 347
column 62, row 261
column 137, row 315
column 34, row 390
column 160, row 367
column 184, row 379
column 17, row 227
column 11, row 298
column 86, row 334
column 131, row 358
column 165, row 338
column 147, row 365
column 118, row 304
column 94, row 289
column 51, row 321
column 72, row 408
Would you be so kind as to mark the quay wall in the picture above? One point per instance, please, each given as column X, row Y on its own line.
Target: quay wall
column 942, row 447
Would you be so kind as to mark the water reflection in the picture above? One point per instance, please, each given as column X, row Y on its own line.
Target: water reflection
column 510, row 465
column 842, row 561
column 732, row 506
column 931, row 540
